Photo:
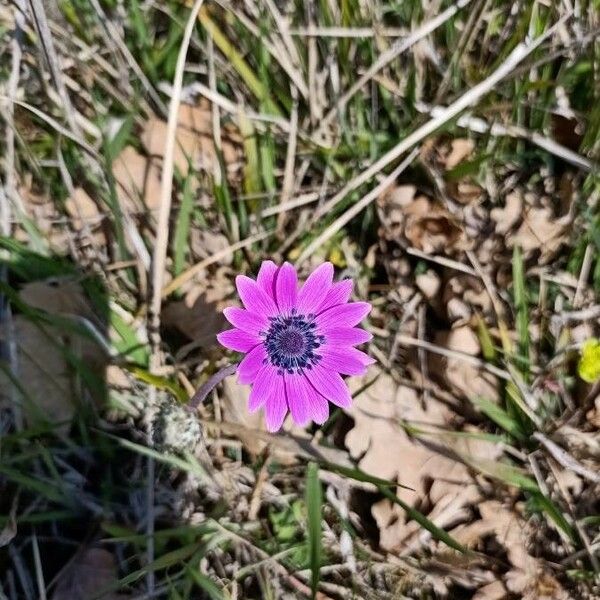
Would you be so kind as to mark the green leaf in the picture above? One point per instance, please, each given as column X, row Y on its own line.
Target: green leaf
column 500, row 417
column 163, row 562
column 313, row 506
column 182, row 227
column 520, row 294
column 203, row 582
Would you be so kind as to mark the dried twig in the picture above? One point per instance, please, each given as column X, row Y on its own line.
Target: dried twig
column 563, row 458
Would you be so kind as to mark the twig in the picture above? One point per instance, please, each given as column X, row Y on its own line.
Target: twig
column 563, row 458
column 473, row 360
column 346, row 32
column 583, row 274
column 216, row 257
column 442, row 260
column 479, row 125
column 287, row 186
column 45, row 37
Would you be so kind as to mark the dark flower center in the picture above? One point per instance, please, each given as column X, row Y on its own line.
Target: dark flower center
column 291, row 342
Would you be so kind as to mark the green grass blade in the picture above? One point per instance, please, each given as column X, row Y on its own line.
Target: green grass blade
column 313, row 506
column 182, row 226
column 500, row 417
column 520, row 296
column 204, row 582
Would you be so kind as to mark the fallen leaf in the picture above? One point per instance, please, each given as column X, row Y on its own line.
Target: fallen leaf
column 42, row 369
column 137, row 180
column 235, row 410
column 429, row 283
column 206, row 243
column 527, row 577
column 541, row 231
column 42, row 210
column 59, row 296
column 82, row 210
column 442, row 485
column 43, row 372
column 508, row 216
column 431, row 228
column 460, row 149
column 9, row 531
column 199, row 315
column 194, row 139
column 492, row 591
column 464, row 378
column 91, row 572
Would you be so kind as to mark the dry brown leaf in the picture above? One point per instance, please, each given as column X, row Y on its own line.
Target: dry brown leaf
column 194, row 137
column 508, row 216
column 527, row 577
column 235, row 411
column 42, row 368
column 541, row 231
column 491, row 591
column 464, row 378
column 417, row 221
column 58, row 296
column 43, row 373
column 429, row 283
column 460, row 149
column 82, row 209
column 91, row 572
column 465, row 191
column 199, row 315
column 207, row 243
column 384, row 449
column 431, row 228
column 43, row 211
column 137, row 180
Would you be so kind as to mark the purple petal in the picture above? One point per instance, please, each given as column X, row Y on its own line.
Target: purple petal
column 348, row 361
column 255, row 299
column 266, row 277
column 330, row 385
column 344, row 315
column 297, row 394
column 339, row 293
column 276, row 407
column 346, row 336
column 238, row 340
column 245, row 320
column 319, row 408
column 251, row 364
column 315, row 289
column 265, row 383
column 286, row 288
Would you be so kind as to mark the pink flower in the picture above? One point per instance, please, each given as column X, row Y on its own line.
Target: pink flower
column 297, row 342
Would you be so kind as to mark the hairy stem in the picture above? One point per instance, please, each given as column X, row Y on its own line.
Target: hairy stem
column 207, row 387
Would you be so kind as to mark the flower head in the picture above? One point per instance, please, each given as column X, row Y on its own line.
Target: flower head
column 298, row 342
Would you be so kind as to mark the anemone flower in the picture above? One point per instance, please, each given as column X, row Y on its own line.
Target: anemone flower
column 297, row 342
